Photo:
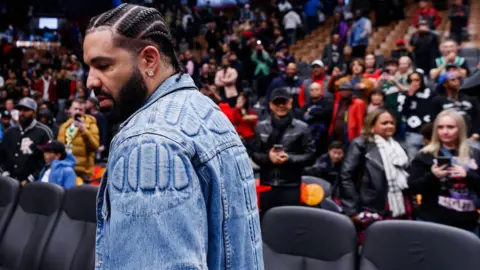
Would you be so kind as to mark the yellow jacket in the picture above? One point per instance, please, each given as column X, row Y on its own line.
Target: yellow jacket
column 84, row 144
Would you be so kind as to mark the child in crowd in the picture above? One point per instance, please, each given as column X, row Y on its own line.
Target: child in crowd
column 376, row 100
column 329, row 164
column 59, row 165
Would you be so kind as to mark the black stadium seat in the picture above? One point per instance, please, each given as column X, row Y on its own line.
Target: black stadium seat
column 8, row 198
column 72, row 244
column 304, row 238
column 30, row 226
column 416, row 245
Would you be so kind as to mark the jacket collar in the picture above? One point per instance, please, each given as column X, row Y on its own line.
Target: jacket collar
column 168, row 86
column 34, row 122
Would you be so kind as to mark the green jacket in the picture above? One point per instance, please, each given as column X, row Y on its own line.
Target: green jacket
column 262, row 66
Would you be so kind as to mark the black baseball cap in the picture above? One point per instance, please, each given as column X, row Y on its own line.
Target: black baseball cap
column 54, row 147
column 280, row 94
column 6, row 114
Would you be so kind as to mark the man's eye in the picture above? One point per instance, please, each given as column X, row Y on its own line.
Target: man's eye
column 103, row 67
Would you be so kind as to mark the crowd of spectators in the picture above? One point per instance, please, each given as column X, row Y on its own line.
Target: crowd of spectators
column 378, row 131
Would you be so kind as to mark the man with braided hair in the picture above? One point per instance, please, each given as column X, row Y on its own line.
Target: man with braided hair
column 178, row 192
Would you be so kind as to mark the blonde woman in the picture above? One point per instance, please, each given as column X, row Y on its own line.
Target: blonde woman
column 373, row 182
column 446, row 174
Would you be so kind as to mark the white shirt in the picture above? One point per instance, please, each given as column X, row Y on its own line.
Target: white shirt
column 45, row 176
column 46, row 85
column 292, row 20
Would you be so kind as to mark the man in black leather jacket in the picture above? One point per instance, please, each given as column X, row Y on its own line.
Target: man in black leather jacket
column 283, row 147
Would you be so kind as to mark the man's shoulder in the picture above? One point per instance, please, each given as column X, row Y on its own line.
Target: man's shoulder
column 44, row 128
column 299, row 124
column 186, row 118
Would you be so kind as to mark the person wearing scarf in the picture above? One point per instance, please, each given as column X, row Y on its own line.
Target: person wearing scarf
column 373, row 179
column 283, row 147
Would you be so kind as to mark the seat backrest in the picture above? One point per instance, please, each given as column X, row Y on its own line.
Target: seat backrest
column 307, row 238
column 30, row 226
column 330, row 205
column 8, row 199
column 416, row 245
column 72, row 244
column 319, row 181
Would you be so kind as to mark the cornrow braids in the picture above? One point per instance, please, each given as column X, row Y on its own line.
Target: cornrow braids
column 137, row 27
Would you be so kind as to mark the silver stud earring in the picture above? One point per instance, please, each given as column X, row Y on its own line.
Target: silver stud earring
column 150, row 73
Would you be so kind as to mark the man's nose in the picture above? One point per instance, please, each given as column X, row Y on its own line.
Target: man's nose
column 93, row 81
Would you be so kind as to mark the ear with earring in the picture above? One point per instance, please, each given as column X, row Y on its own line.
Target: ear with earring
column 150, row 73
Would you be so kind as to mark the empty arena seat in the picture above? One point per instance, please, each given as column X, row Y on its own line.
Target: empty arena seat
column 319, row 181
column 416, row 245
column 304, row 238
column 8, row 198
column 30, row 226
column 72, row 243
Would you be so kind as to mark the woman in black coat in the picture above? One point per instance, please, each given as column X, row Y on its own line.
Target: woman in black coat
column 373, row 180
column 446, row 174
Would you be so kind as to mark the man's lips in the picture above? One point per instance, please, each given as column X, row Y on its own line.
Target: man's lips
column 104, row 101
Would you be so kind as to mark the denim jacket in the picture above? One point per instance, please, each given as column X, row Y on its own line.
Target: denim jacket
column 178, row 192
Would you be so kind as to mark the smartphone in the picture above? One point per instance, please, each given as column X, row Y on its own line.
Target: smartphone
column 278, row 148
column 77, row 117
column 441, row 161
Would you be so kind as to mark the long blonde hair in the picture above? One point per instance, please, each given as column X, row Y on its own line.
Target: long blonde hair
column 435, row 144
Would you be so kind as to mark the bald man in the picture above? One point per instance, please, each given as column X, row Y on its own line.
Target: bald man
column 317, row 113
column 289, row 81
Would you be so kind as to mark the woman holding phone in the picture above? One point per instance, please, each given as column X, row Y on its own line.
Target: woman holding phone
column 446, row 174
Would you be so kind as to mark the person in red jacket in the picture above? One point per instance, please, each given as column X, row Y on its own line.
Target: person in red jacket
column 426, row 13
column 318, row 76
column 348, row 114
column 245, row 120
column 47, row 86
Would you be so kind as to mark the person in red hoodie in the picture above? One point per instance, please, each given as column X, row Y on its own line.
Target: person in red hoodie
column 348, row 114
column 318, row 76
column 426, row 13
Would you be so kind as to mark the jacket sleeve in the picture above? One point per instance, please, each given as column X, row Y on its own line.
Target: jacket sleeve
column 260, row 156
column 69, row 178
column 91, row 137
column 361, row 115
column 232, row 76
column 421, row 179
column 301, row 96
column 174, row 199
column 218, row 81
column 61, row 134
column 351, row 166
column 308, row 146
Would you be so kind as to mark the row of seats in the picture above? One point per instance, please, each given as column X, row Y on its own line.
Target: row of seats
column 44, row 227
column 303, row 238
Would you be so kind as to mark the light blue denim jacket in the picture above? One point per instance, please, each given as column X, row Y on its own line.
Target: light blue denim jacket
column 178, row 192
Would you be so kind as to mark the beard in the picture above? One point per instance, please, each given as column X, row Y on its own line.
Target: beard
column 25, row 121
column 131, row 97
